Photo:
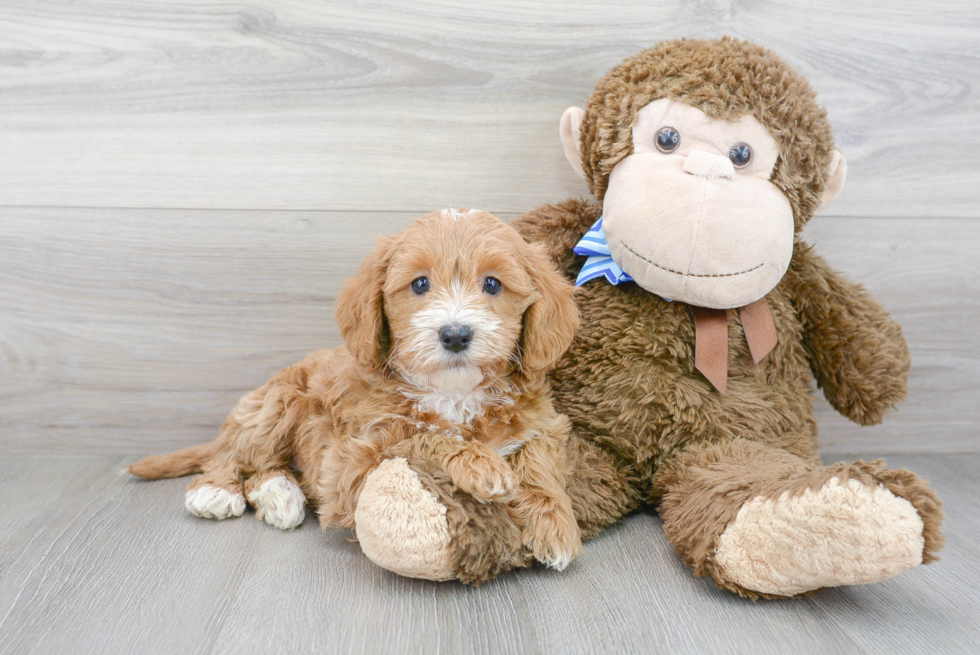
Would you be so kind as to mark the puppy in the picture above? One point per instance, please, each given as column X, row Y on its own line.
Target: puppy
column 449, row 330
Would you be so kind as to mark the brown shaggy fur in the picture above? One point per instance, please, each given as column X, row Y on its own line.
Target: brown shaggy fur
column 629, row 385
column 339, row 413
column 628, row 382
column 486, row 538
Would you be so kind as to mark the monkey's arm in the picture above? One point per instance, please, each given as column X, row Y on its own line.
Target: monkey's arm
column 856, row 349
column 558, row 228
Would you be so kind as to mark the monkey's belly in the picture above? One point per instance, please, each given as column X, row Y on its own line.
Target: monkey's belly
column 628, row 382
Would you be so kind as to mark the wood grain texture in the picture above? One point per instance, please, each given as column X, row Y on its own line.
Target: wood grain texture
column 96, row 562
column 155, row 263
column 382, row 106
column 926, row 274
column 125, row 331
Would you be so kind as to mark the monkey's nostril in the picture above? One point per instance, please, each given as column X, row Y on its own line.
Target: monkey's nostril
column 455, row 338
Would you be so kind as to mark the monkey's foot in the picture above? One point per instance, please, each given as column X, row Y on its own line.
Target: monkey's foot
column 402, row 526
column 412, row 521
column 845, row 532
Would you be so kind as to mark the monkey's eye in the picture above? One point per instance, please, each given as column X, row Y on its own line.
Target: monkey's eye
column 492, row 286
column 740, row 154
column 420, row 285
column 667, row 139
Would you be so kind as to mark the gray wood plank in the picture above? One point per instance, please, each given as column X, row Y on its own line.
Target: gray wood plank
column 38, row 491
column 108, row 315
column 120, row 567
column 925, row 272
column 125, row 330
column 116, row 566
column 377, row 106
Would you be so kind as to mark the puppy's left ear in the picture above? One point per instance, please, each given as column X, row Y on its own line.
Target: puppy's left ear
column 552, row 319
column 360, row 310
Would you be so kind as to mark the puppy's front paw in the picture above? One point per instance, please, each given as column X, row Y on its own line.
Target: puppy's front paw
column 279, row 502
column 486, row 477
column 210, row 502
column 554, row 538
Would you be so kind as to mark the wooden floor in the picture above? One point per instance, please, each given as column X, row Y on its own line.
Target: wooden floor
column 93, row 561
column 185, row 185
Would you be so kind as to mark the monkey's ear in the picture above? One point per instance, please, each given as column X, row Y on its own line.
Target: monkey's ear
column 838, row 173
column 571, row 137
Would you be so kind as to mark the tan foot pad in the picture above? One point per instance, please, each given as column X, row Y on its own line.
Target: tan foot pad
column 840, row 534
column 401, row 526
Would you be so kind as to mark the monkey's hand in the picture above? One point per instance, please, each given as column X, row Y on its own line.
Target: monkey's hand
column 856, row 349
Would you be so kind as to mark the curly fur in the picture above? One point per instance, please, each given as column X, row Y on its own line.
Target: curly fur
column 480, row 419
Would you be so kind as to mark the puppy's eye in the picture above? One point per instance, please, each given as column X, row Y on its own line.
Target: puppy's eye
column 492, row 286
column 420, row 285
column 740, row 154
column 667, row 139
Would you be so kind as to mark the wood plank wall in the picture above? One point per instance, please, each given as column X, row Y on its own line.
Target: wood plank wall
column 184, row 185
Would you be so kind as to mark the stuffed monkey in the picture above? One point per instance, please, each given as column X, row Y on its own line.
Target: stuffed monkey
column 705, row 319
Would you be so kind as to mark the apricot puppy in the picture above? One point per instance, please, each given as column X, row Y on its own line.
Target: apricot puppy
column 449, row 330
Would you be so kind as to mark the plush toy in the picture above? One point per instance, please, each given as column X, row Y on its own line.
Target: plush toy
column 705, row 319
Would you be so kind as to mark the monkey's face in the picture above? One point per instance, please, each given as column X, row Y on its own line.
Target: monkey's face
column 691, row 214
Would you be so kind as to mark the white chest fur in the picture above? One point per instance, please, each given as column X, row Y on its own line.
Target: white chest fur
column 456, row 408
column 454, row 394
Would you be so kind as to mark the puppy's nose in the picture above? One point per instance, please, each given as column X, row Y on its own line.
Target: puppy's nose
column 455, row 338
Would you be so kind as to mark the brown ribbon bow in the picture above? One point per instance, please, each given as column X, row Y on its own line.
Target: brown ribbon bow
column 711, row 339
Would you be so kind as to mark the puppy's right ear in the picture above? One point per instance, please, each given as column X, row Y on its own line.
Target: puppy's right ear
column 360, row 310
column 552, row 319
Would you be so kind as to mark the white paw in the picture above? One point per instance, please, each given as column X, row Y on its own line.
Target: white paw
column 279, row 502
column 213, row 502
column 557, row 559
column 554, row 539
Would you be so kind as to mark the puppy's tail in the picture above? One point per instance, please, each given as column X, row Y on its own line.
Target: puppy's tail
column 183, row 462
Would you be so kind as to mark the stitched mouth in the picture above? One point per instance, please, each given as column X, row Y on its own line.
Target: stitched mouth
column 670, row 270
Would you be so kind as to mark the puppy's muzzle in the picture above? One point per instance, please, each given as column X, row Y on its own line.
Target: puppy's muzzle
column 455, row 338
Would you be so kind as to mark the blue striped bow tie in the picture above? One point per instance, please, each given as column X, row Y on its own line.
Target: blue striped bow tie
column 600, row 262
